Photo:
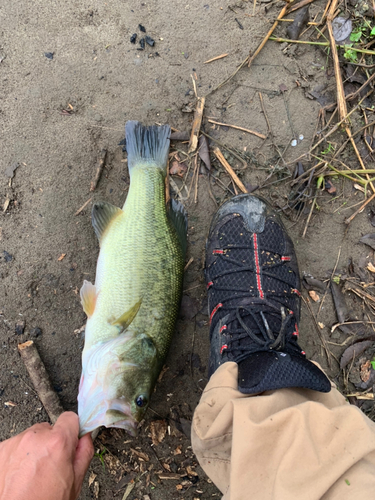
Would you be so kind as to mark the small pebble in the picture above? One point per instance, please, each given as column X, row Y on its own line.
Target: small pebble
column 7, row 256
column 20, row 327
column 150, row 41
column 294, row 142
column 142, row 43
column 49, row 55
column 301, row 137
column 133, row 38
column 35, row 332
column 142, row 28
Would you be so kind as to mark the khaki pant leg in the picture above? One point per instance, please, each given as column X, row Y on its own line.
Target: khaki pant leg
column 285, row 444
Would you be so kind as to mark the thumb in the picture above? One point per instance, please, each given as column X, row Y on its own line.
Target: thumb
column 84, row 454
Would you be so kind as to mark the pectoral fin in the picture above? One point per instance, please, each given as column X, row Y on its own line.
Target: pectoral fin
column 128, row 316
column 88, row 297
column 102, row 216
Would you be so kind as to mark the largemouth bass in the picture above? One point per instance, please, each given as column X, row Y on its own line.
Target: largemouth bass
column 133, row 306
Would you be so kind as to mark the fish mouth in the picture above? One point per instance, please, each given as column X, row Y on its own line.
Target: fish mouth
column 109, row 414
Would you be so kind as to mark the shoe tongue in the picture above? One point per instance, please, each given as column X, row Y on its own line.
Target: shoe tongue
column 270, row 370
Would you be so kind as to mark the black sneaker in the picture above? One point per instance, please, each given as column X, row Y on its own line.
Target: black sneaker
column 254, row 300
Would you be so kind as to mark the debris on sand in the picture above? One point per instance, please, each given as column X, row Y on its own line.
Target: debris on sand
column 20, row 327
column 204, row 151
column 133, row 38
column 215, row 58
column 158, row 429
column 368, row 239
column 150, row 41
column 99, row 169
column 354, row 351
column 142, row 28
column 10, row 170
column 229, row 169
column 300, row 21
column 40, row 379
column 49, row 55
column 314, row 296
column 195, row 129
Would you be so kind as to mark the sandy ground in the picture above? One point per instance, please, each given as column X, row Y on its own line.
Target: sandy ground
column 102, row 80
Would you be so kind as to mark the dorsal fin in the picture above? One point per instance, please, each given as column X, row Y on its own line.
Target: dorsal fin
column 102, row 215
column 125, row 319
column 88, row 297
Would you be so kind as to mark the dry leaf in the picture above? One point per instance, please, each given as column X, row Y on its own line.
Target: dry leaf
column 371, row 267
column 204, row 152
column 166, row 467
column 365, row 371
column 10, row 404
column 158, row 430
column 359, row 188
column 178, row 451
column 321, row 325
column 61, row 257
column 179, row 487
column 140, row 454
column 368, row 239
column 92, row 478
column 96, row 489
column 315, row 297
column 353, row 351
column 178, row 168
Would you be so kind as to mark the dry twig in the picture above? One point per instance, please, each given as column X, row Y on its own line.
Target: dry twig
column 229, row 169
column 258, row 134
column 193, row 143
column 215, row 58
column 40, row 379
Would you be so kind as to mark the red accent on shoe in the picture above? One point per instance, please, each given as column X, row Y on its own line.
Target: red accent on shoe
column 210, row 283
column 285, row 259
column 224, row 327
column 256, row 257
column 303, row 352
column 218, row 251
column 223, row 348
column 297, row 292
column 297, row 331
column 214, row 310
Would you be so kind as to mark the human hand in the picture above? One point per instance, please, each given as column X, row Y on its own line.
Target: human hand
column 45, row 462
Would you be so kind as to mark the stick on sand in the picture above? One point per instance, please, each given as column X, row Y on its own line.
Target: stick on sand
column 40, row 379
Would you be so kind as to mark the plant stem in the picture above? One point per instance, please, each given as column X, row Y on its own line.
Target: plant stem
column 324, row 44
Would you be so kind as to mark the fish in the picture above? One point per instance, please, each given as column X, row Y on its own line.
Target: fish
column 132, row 307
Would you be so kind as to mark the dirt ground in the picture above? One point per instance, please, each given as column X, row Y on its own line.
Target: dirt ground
column 55, row 117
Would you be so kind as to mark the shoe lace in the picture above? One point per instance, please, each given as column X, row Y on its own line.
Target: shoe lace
column 253, row 310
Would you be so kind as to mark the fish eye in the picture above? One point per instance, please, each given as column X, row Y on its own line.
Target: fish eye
column 141, row 400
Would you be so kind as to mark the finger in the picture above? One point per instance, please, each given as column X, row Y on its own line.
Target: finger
column 84, row 454
column 68, row 425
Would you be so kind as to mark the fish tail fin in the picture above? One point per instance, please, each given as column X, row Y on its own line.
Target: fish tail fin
column 147, row 145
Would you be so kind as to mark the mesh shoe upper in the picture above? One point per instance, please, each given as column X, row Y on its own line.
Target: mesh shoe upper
column 254, row 300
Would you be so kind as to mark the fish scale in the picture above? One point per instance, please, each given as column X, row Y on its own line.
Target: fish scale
column 133, row 306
